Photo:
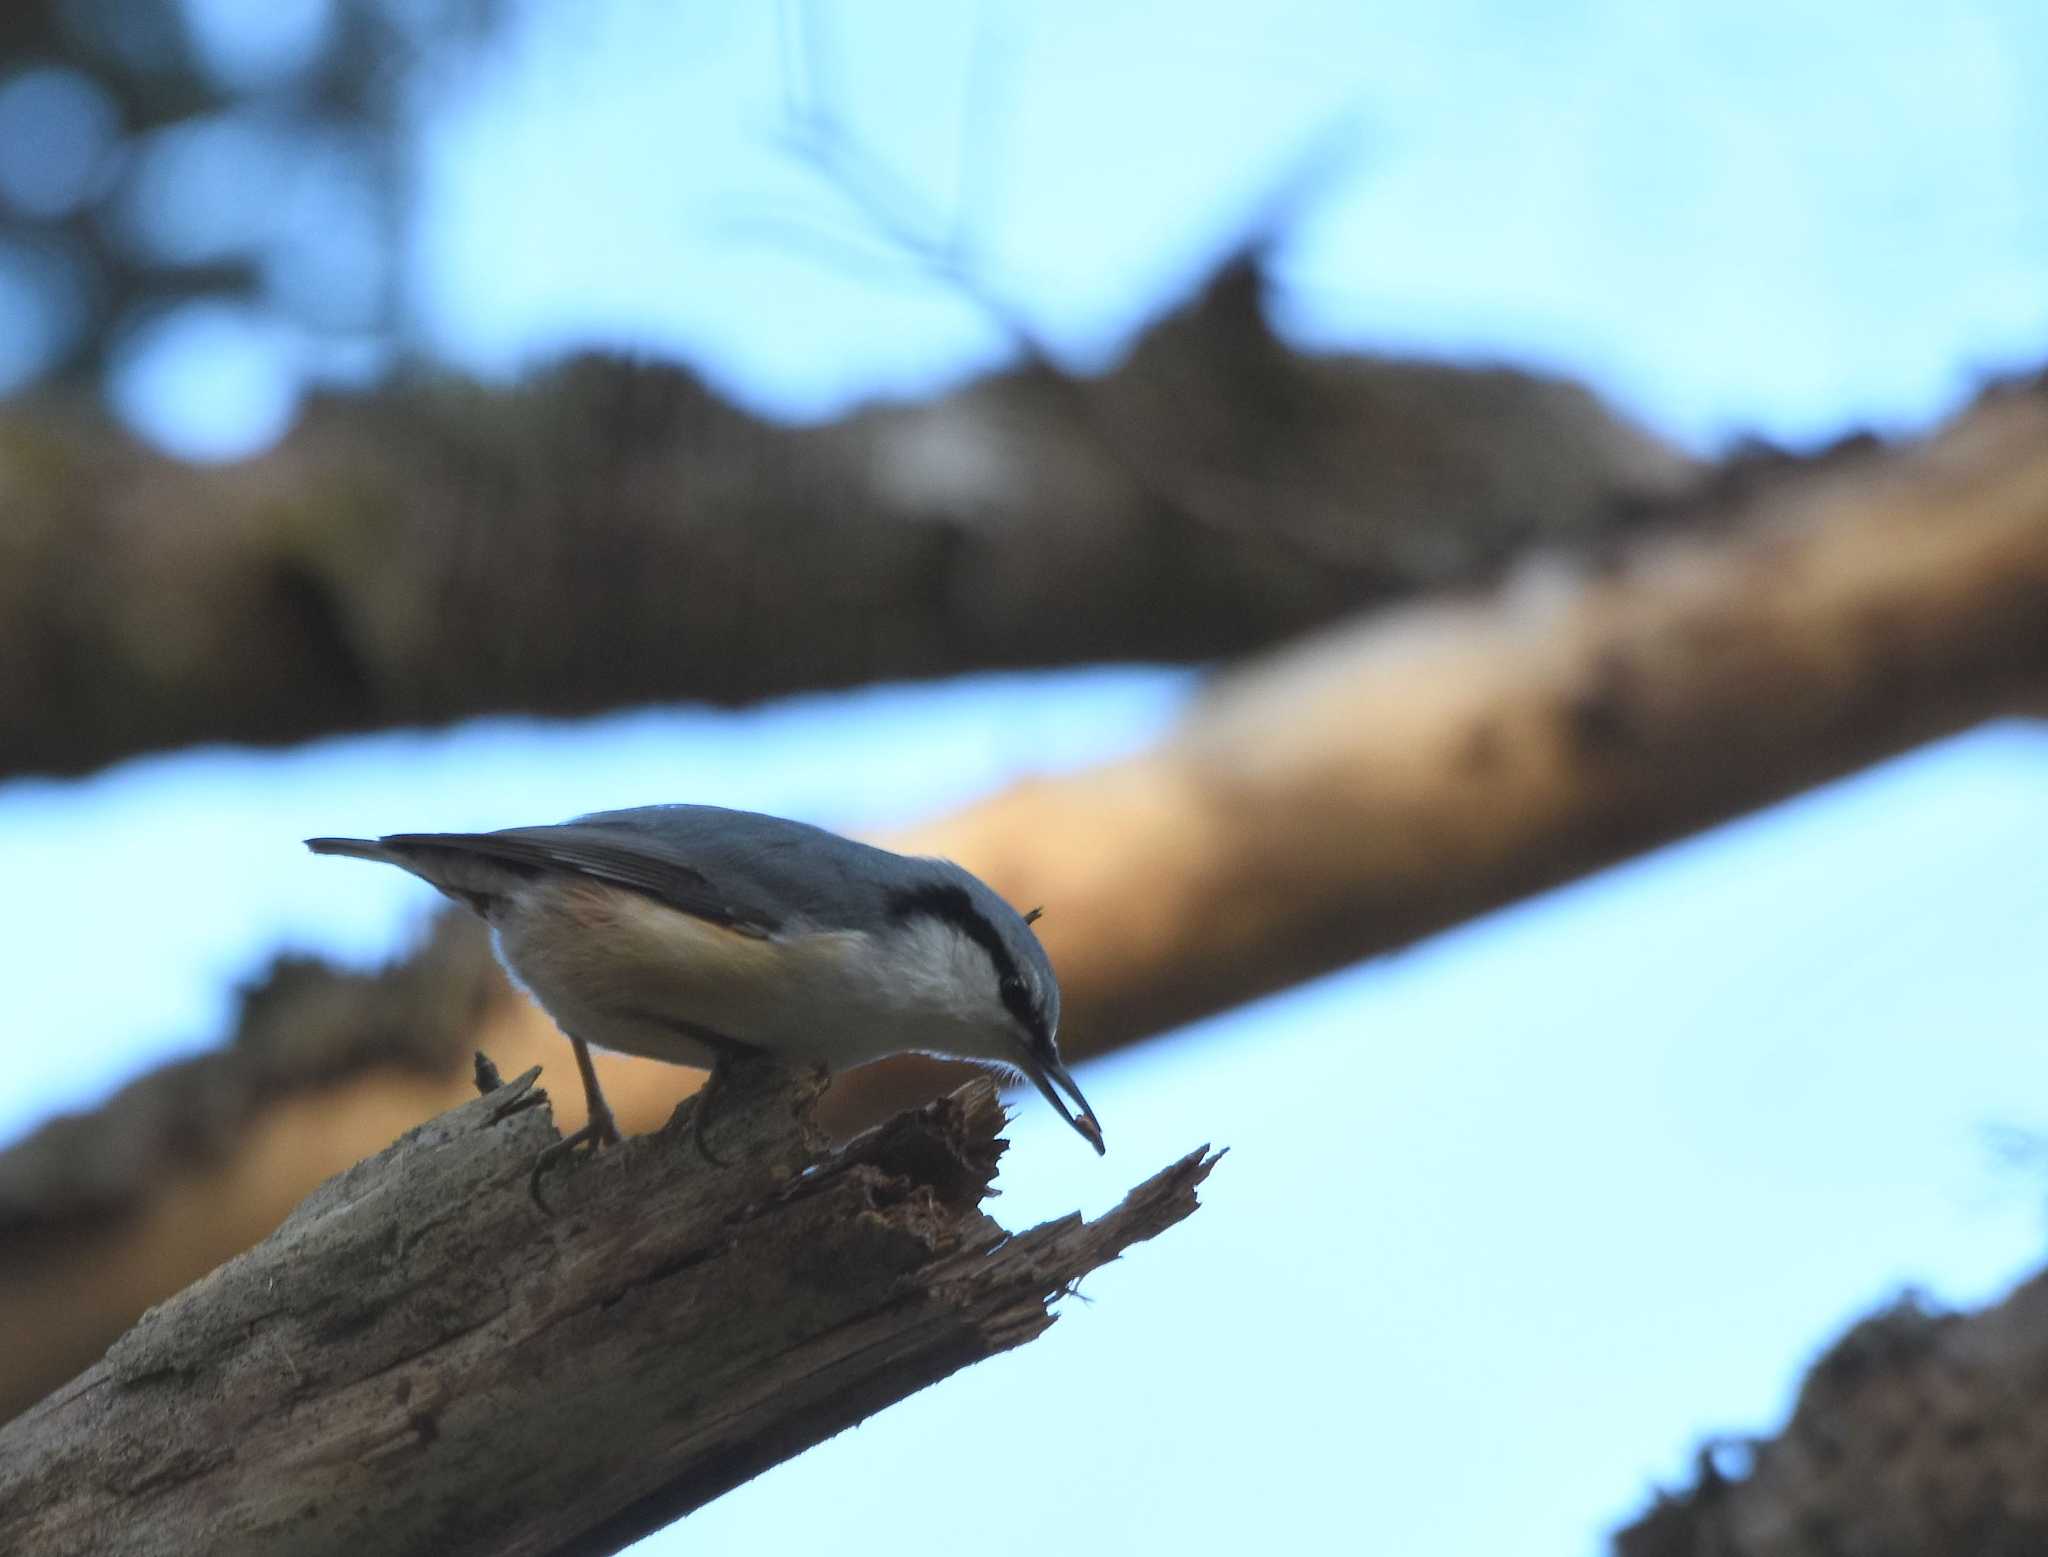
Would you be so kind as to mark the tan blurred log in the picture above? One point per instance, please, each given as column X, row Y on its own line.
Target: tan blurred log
column 420, row 1361
column 1370, row 786
column 1378, row 783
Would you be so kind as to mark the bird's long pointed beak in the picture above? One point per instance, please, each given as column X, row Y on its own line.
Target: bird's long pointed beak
column 1044, row 1074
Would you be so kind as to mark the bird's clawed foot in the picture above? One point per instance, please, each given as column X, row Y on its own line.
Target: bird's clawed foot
column 734, row 1068
column 706, row 1096
column 601, row 1131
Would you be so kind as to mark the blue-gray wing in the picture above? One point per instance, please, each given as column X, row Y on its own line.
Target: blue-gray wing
column 626, row 857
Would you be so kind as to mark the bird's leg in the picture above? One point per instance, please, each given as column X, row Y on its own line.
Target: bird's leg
column 725, row 1053
column 729, row 1057
column 600, row 1130
column 601, row 1127
column 721, row 1061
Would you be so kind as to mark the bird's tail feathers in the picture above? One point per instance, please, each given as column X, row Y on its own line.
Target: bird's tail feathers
column 472, row 880
column 354, row 848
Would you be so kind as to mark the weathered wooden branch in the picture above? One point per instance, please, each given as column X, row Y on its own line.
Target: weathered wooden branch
column 420, row 1361
column 612, row 533
column 1919, row 1434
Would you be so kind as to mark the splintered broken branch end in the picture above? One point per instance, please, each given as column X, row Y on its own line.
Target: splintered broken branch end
column 536, row 1383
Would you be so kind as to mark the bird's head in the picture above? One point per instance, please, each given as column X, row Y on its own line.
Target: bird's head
column 998, row 982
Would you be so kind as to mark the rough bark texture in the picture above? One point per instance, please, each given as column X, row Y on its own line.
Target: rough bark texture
column 613, row 533
column 1331, row 802
column 419, row 1360
column 1921, row 1434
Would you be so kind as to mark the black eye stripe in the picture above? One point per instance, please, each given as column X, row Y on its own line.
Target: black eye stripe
column 955, row 907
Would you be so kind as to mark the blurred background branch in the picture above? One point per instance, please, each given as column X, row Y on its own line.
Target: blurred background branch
column 613, row 534
column 1920, row 1430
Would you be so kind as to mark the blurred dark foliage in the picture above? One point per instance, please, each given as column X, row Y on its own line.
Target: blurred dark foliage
column 155, row 154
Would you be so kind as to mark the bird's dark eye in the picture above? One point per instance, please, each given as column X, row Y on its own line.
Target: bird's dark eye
column 1016, row 996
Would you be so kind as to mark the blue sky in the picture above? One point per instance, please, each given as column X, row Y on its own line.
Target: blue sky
column 1736, row 217
column 1510, row 1220
column 1742, row 216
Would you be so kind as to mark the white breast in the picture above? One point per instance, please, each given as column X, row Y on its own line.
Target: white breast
column 623, row 971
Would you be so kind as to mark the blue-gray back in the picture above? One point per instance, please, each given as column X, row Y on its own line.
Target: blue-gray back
column 767, row 869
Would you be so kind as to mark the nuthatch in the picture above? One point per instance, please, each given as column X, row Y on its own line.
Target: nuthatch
column 694, row 933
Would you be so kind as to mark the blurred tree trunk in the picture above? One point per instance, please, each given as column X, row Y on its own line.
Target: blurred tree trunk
column 1919, row 1434
column 1338, row 799
column 613, row 534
